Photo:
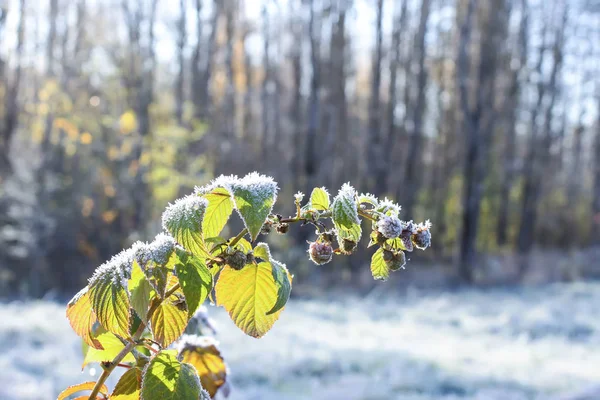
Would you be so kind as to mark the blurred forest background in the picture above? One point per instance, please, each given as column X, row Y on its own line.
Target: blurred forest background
column 483, row 116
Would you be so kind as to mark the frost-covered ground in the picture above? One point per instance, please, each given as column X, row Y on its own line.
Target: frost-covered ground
column 501, row 344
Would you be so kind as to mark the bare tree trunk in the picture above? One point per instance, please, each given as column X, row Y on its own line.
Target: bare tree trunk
column 395, row 60
column 511, row 107
column 539, row 153
column 412, row 179
column 375, row 142
column 179, row 82
column 596, row 188
column 310, row 159
column 296, row 106
column 478, row 122
column 11, row 110
column 267, row 81
column 196, row 66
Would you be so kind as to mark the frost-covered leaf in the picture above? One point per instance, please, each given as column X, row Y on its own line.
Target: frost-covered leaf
column 203, row 353
column 345, row 215
column 319, row 199
column 111, row 347
column 254, row 196
column 81, row 387
column 248, row 295
column 379, row 268
column 195, row 279
column 167, row 378
column 82, row 318
column 220, row 207
column 129, row 385
column 368, row 198
column 281, row 277
column 183, row 219
column 109, row 294
column 388, row 207
column 141, row 292
column 170, row 318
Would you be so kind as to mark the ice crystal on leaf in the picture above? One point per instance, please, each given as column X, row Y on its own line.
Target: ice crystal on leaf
column 192, row 341
column 388, row 207
column 299, row 197
column 185, row 212
column 118, row 268
column 368, row 198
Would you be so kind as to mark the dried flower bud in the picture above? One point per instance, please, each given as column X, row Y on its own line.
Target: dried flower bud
column 249, row 257
column 406, row 237
column 236, row 260
column 266, row 228
column 283, row 228
column 320, row 253
column 327, row 236
column 394, row 259
column 390, row 227
column 422, row 239
column 348, row 246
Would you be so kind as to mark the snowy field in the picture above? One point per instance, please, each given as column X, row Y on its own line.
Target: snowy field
column 500, row 344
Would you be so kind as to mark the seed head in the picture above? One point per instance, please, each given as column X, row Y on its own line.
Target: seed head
column 390, row 227
column 394, row 259
column 236, row 260
column 320, row 253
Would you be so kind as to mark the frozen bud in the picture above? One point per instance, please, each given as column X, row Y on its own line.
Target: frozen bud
column 266, row 228
column 326, row 236
column 390, row 227
column 348, row 246
column 236, row 260
column 422, row 238
column 298, row 197
column 394, row 259
column 320, row 253
column 406, row 237
column 250, row 257
column 283, row 227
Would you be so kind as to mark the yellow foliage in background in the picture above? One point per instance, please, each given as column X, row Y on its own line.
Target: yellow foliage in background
column 127, row 122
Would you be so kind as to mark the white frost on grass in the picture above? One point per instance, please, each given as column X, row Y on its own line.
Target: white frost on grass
column 502, row 344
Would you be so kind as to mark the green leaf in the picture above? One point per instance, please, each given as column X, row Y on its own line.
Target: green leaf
column 111, row 345
column 248, row 295
column 217, row 212
column 183, row 219
column 281, row 276
column 166, row 378
column 82, row 318
column 80, row 387
column 319, row 199
column 209, row 364
column 110, row 301
column 129, row 385
column 169, row 320
column 345, row 215
column 254, row 196
column 141, row 292
column 379, row 268
column 195, row 279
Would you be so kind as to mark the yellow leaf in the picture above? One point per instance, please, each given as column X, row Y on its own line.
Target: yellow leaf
column 78, row 388
column 82, row 317
column 209, row 364
column 248, row 295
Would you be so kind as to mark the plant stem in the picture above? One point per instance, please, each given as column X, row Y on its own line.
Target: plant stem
column 107, row 371
column 238, row 237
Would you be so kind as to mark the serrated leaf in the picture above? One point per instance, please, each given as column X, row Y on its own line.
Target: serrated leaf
column 195, row 279
column 319, row 199
column 111, row 347
column 209, row 364
column 379, row 269
column 129, row 385
column 184, row 219
column 220, row 207
column 82, row 318
column 345, row 215
column 166, row 378
column 110, row 301
column 281, row 276
column 254, row 196
column 248, row 295
column 169, row 320
column 80, row 387
column 141, row 292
